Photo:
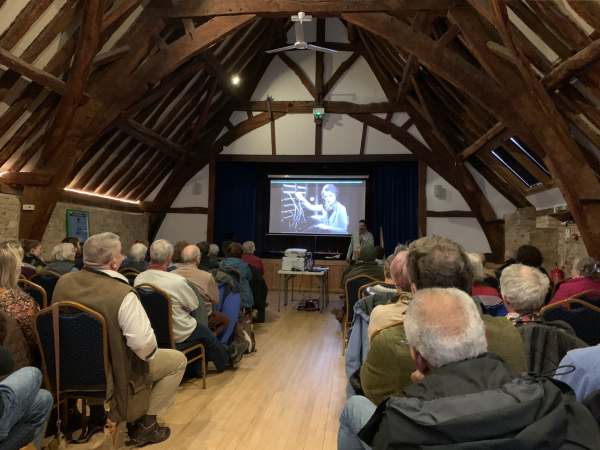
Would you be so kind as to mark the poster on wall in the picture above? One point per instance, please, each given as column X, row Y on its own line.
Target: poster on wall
column 78, row 224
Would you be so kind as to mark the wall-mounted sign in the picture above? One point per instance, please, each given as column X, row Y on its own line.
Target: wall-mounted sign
column 78, row 224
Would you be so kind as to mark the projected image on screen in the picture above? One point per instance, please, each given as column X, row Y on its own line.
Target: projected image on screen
column 316, row 206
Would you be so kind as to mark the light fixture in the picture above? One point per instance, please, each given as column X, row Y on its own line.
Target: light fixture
column 108, row 197
column 236, row 80
column 3, row 173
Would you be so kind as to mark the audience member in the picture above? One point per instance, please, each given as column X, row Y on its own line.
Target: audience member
column 62, row 259
column 206, row 285
column 144, row 377
column 137, row 258
column 250, row 258
column 233, row 261
column 432, row 262
column 177, row 249
column 210, row 256
column 24, row 407
column 365, row 266
column 580, row 369
column 362, row 238
column 33, row 253
column 461, row 396
column 524, row 289
column 78, row 250
column 482, row 292
column 585, row 277
column 187, row 328
column 13, row 301
column 392, row 313
column 530, row 255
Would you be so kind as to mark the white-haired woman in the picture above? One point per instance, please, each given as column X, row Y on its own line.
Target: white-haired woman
column 13, row 301
column 250, row 258
column 136, row 258
column 585, row 276
column 63, row 258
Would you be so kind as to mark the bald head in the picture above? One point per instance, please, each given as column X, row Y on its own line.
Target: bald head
column 444, row 326
column 399, row 271
column 191, row 255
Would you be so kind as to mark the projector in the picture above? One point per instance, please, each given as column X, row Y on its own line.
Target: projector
column 297, row 259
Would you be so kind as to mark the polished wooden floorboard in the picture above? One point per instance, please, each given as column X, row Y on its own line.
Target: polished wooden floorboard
column 287, row 395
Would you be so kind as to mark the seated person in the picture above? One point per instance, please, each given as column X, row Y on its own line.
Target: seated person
column 24, row 407
column 488, row 296
column 137, row 258
column 392, row 313
column 187, row 328
column 585, row 277
column 78, row 251
column 177, row 249
column 33, row 255
column 144, row 377
column 63, row 259
column 379, row 255
column 12, row 339
column 250, row 258
column 205, row 283
column 580, row 369
column 432, row 262
column 524, row 289
column 365, row 266
column 210, row 256
column 461, row 396
column 233, row 260
column 13, row 301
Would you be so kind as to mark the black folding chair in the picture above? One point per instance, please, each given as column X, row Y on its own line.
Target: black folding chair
column 83, row 356
column 130, row 274
column 581, row 315
column 352, row 288
column 35, row 291
column 157, row 304
column 46, row 279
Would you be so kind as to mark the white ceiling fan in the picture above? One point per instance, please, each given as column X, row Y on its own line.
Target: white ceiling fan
column 300, row 43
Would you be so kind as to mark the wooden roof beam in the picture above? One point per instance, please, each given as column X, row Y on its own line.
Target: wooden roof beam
column 192, row 8
column 332, row 107
column 484, row 140
column 27, row 70
column 570, row 66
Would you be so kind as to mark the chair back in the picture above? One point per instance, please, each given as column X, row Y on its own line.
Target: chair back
column 352, row 288
column 130, row 273
column 35, row 291
column 83, row 342
column 364, row 290
column 230, row 304
column 157, row 304
column 582, row 316
column 46, row 279
column 591, row 296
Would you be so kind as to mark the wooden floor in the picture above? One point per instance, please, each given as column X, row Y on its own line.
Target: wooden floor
column 287, row 395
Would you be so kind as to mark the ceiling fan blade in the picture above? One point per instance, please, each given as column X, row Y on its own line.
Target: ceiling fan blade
column 321, row 49
column 282, row 49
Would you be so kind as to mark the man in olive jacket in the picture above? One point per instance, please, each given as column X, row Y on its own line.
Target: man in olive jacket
column 463, row 397
column 432, row 262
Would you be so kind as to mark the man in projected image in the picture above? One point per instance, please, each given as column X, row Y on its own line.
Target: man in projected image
column 331, row 215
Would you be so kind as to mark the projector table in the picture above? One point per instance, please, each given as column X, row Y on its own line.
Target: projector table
column 286, row 275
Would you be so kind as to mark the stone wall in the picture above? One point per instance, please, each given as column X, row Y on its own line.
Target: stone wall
column 10, row 208
column 130, row 226
column 560, row 244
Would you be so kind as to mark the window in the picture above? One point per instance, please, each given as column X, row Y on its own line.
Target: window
column 519, row 145
column 515, row 167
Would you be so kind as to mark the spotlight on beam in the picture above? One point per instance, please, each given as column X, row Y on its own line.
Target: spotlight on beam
column 236, row 80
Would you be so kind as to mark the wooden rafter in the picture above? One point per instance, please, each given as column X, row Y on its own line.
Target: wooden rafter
column 332, row 107
column 302, row 76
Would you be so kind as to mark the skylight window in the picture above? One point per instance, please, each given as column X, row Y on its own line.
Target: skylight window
column 531, row 155
column 515, row 167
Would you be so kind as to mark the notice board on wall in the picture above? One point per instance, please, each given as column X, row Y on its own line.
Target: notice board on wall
column 78, row 224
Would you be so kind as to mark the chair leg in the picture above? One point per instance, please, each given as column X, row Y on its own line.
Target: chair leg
column 203, row 368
